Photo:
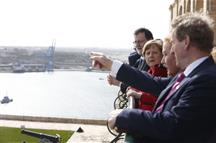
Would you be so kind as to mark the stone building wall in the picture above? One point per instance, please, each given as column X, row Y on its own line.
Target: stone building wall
column 180, row 7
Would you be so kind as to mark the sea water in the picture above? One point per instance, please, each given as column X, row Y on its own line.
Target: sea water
column 67, row 94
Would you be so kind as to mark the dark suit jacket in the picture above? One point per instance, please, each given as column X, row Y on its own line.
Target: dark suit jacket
column 188, row 116
column 140, row 65
column 133, row 57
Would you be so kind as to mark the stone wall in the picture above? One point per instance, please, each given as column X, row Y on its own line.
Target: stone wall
column 180, row 7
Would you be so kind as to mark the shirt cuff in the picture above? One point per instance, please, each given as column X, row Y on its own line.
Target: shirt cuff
column 115, row 68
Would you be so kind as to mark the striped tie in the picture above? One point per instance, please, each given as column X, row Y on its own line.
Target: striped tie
column 175, row 85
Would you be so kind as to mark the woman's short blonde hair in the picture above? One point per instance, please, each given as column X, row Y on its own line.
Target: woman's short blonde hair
column 157, row 42
column 167, row 40
column 213, row 53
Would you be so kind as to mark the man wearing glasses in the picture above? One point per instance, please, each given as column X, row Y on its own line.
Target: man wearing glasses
column 141, row 36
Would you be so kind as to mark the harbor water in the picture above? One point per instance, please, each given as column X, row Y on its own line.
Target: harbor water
column 66, row 94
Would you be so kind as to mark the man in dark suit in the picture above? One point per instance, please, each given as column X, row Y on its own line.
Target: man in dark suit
column 185, row 110
column 141, row 36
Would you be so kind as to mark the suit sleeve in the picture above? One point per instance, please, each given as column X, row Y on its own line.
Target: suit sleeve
column 192, row 112
column 141, row 80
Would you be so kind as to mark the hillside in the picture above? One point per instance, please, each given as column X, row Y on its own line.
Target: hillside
column 70, row 58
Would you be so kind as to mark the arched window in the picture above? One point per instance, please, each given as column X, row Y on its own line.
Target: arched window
column 208, row 5
column 193, row 5
column 180, row 10
column 199, row 5
column 188, row 7
column 171, row 10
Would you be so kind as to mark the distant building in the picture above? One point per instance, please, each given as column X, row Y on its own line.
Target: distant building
column 19, row 68
column 180, row 7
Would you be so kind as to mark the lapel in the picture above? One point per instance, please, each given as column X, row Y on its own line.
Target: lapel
column 180, row 86
column 163, row 94
column 209, row 61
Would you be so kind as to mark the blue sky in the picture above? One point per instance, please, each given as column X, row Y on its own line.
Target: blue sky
column 80, row 23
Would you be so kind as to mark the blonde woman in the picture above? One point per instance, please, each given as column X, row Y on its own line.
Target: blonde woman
column 152, row 52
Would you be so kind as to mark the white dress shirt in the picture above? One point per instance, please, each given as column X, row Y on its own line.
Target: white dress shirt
column 193, row 65
column 117, row 65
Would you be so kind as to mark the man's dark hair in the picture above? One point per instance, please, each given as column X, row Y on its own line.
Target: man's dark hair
column 147, row 33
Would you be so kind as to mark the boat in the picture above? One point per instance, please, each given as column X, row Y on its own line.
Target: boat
column 6, row 100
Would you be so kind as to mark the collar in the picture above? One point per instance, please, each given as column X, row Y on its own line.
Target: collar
column 193, row 65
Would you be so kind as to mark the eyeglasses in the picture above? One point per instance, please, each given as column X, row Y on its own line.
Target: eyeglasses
column 139, row 42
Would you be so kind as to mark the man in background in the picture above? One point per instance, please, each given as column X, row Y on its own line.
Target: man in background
column 141, row 36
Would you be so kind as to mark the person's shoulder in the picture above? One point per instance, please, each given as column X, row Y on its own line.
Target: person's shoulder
column 133, row 57
column 211, row 70
column 133, row 53
column 206, row 75
column 206, row 68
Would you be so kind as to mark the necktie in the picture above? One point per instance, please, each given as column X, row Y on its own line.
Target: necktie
column 175, row 85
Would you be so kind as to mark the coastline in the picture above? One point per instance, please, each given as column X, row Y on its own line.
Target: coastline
column 52, row 119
